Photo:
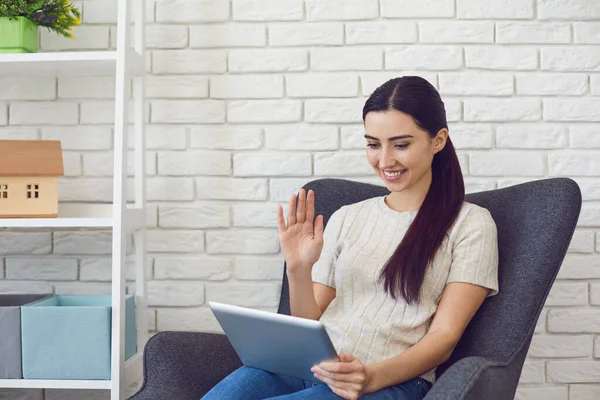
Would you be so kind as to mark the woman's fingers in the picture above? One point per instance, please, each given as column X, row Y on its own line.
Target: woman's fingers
column 305, row 211
column 301, row 212
column 350, row 377
column 343, row 367
column 292, row 211
column 346, row 390
column 280, row 220
column 310, row 206
column 319, row 228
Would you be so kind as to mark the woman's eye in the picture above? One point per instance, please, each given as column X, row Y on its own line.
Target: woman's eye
column 399, row 146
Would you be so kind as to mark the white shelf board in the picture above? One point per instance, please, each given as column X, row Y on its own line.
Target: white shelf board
column 68, row 63
column 133, row 368
column 54, row 384
column 79, row 215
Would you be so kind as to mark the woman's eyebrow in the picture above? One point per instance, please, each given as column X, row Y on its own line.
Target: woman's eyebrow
column 390, row 139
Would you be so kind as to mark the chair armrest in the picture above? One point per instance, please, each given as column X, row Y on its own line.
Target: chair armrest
column 472, row 378
column 185, row 365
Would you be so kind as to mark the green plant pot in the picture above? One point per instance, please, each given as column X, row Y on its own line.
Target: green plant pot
column 18, row 35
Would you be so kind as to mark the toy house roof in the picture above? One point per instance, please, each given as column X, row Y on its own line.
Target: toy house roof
column 31, row 158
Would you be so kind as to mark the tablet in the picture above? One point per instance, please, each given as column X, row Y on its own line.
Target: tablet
column 273, row 342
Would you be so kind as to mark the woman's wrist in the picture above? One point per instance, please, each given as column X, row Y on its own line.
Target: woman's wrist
column 371, row 372
column 301, row 272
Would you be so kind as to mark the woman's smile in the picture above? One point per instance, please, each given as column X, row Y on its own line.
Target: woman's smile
column 392, row 177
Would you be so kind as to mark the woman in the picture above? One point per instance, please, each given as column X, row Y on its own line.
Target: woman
column 395, row 279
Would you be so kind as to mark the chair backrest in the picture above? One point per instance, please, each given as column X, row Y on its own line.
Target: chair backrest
column 535, row 220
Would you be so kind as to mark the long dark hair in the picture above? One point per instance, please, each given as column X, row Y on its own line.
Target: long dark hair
column 405, row 269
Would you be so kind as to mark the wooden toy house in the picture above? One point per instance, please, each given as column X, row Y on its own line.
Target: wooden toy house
column 29, row 171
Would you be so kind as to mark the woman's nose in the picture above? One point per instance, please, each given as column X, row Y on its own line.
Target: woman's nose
column 387, row 159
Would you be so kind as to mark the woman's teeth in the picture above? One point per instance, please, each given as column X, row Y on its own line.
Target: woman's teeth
column 391, row 175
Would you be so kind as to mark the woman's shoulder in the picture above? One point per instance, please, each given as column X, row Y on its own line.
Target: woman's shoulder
column 347, row 214
column 359, row 206
column 474, row 212
column 472, row 218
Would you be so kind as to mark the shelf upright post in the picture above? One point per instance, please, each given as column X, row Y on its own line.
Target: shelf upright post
column 122, row 83
column 140, row 180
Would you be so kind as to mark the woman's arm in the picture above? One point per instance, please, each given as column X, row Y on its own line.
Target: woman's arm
column 305, row 245
column 307, row 299
column 459, row 303
column 350, row 378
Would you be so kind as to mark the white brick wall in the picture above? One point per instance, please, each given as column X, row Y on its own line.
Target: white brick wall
column 267, row 60
column 27, row 88
column 267, row 10
column 191, row 11
column 248, row 100
column 305, row 34
column 341, row 9
column 228, row 35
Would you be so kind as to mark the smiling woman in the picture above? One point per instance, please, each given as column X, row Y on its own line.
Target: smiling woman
column 432, row 182
column 394, row 279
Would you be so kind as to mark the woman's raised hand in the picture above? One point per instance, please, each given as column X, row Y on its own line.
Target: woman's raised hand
column 301, row 242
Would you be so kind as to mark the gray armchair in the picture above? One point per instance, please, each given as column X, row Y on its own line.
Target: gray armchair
column 535, row 221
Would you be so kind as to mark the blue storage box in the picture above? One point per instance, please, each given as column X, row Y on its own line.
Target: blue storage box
column 10, row 332
column 69, row 337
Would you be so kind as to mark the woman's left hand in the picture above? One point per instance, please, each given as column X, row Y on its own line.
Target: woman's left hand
column 347, row 378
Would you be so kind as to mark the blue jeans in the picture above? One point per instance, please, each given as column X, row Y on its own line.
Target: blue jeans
column 247, row 383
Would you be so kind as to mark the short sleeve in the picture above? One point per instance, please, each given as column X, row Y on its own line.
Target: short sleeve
column 475, row 251
column 323, row 271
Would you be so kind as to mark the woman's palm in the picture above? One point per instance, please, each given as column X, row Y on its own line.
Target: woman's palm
column 301, row 241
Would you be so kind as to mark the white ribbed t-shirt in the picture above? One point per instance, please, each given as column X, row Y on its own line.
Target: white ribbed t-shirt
column 362, row 319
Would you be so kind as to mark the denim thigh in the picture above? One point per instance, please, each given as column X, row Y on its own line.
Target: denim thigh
column 246, row 383
column 414, row 389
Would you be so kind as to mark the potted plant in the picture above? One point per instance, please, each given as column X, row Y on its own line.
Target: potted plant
column 19, row 21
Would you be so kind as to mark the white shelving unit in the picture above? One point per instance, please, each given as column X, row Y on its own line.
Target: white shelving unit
column 124, row 63
column 80, row 63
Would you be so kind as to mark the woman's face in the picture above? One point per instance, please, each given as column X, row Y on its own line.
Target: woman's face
column 395, row 143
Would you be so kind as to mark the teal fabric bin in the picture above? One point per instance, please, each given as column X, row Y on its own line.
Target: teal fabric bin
column 69, row 337
column 10, row 332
